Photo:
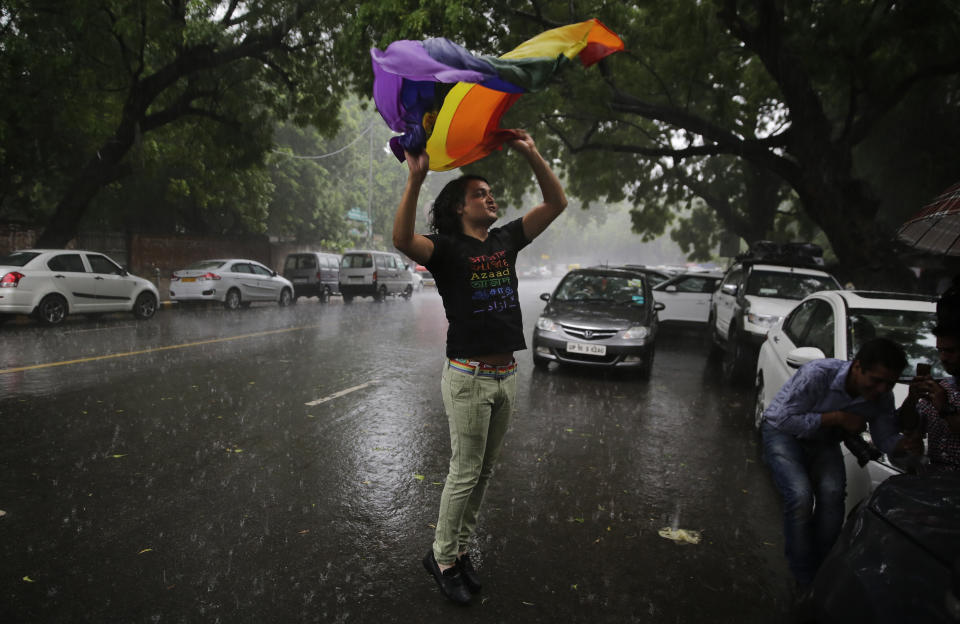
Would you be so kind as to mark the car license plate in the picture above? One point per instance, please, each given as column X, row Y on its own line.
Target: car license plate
column 588, row 349
column 299, row 279
column 188, row 279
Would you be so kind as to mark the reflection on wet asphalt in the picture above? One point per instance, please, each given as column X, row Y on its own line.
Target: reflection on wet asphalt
column 184, row 478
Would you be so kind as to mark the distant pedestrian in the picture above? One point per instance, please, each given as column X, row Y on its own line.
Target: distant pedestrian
column 475, row 271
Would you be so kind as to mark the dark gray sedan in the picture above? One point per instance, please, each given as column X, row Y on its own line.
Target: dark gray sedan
column 600, row 316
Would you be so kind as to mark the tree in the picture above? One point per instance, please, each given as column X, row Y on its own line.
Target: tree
column 762, row 90
column 90, row 81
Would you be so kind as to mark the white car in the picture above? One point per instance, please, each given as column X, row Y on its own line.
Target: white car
column 753, row 296
column 234, row 282
column 686, row 297
column 52, row 283
column 835, row 324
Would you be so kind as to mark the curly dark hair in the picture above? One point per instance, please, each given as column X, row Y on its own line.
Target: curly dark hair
column 444, row 218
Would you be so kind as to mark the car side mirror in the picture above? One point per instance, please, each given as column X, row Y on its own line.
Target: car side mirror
column 545, row 296
column 799, row 357
column 273, row 273
column 671, row 288
column 659, row 306
column 729, row 289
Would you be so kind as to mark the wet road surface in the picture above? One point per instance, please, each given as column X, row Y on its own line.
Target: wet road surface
column 285, row 465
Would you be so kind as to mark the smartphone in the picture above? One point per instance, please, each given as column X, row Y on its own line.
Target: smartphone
column 923, row 369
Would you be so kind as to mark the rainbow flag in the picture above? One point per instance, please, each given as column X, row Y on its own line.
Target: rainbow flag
column 443, row 99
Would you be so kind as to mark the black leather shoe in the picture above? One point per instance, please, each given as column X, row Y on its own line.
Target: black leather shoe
column 450, row 580
column 470, row 578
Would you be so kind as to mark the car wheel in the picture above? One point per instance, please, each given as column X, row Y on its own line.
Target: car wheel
column 381, row 294
column 145, row 306
column 647, row 366
column 232, row 300
column 714, row 341
column 408, row 292
column 52, row 309
column 285, row 298
column 758, row 407
column 735, row 360
column 348, row 298
column 325, row 295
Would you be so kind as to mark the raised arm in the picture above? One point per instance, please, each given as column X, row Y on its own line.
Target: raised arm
column 554, row 199
column 418, row 248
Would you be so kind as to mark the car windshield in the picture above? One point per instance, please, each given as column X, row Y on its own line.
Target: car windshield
column 787, row 285
column 913, row 330
column 205, row 265
column 18, row 258
column 357, row 261
column 615, row 289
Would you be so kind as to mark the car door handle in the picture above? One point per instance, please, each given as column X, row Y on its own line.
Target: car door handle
column 776, row 338
column 98, row 278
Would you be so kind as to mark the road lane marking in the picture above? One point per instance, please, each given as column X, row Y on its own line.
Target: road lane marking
column 109, row 356
column 337, row 395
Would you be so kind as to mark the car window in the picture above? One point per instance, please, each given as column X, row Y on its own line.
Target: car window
column 820, row 328
column 732, row 278
column 260, row 270
column 912, row 330
column 18, row 258
column 69, row 263
column 787, row 285
column 241, row 267
column 324, row 262
column 308, row 262
column 206, row 265
column 796, row 324
column 693, row 284
column 102, row 264
column 598, row 287
column 358, row 261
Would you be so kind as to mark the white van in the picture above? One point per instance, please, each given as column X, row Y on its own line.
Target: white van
column 367, row 273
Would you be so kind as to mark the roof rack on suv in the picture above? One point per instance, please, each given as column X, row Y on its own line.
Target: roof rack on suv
column 788, row 254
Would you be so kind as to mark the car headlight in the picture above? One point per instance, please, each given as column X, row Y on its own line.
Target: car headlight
column 637, row 332
column 547, row 325
column 763, row 320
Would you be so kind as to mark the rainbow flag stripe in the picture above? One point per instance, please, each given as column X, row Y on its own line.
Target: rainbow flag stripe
column 443, row 99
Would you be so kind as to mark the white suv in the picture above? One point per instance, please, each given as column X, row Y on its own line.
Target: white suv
column 753, row 296
column 52, row 283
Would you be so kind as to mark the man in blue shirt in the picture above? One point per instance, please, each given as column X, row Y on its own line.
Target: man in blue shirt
column 802, row 430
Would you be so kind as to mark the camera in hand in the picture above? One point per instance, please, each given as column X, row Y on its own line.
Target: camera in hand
column 860, row 448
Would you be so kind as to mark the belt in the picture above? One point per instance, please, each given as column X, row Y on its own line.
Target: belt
column 479, row 369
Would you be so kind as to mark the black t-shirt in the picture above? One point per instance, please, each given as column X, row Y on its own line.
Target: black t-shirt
column 478, row 283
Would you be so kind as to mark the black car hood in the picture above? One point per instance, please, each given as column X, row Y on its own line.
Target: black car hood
column 598, row 314
column 926, row 509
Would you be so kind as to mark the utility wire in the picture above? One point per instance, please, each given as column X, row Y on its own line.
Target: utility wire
column 334, row 153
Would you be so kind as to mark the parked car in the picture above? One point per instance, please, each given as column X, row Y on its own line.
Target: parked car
column 835, row 324
column 234, row 282
column 417, row 278
column 686, row 297
column 654, row 276
column 313, row 274
column 757, row 291
column 52, row 283
column 896, row 560
column 425, row 275
column 600, row 316
column 365, row 273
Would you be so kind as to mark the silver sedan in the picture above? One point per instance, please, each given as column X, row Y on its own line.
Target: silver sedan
column 234, row 282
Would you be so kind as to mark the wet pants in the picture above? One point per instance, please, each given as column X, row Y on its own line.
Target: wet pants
column 478, row 410
column 812, row 481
